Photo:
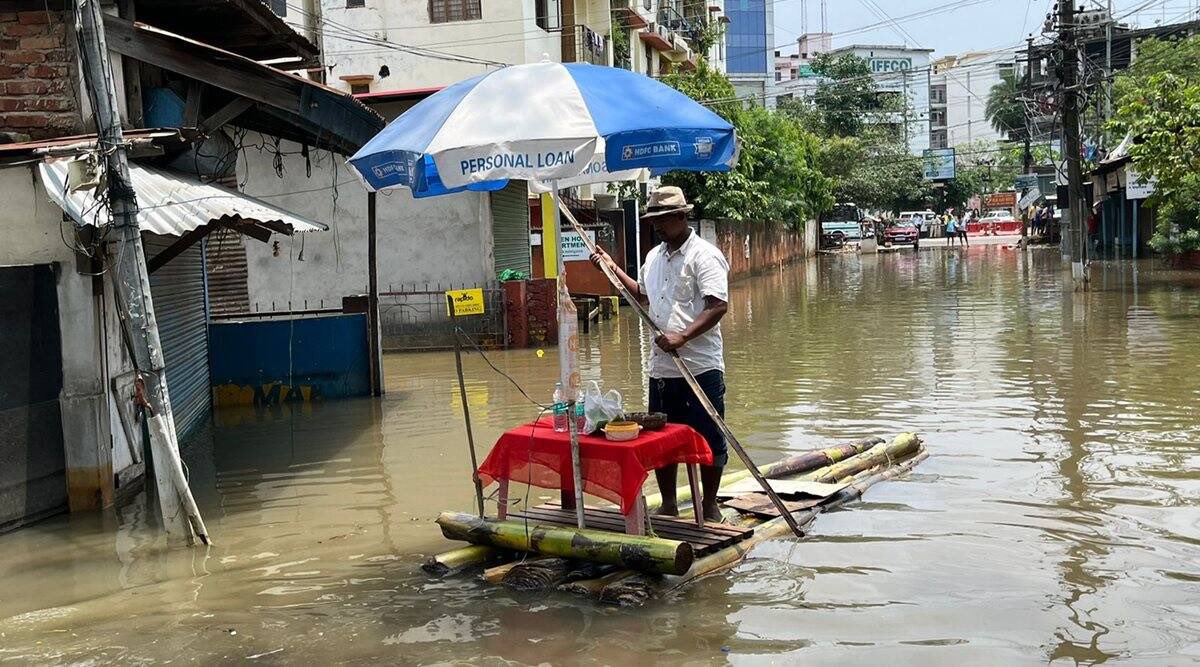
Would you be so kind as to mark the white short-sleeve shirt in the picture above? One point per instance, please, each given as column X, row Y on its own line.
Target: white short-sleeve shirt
column 676, row 283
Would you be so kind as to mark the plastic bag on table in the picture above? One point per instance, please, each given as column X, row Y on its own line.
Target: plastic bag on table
column 599, row 409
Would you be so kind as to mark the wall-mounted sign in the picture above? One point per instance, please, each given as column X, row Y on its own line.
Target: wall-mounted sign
column 1025, row 182
column 1135, row 188
column 939, row 164
column 1029, row 199
column 573, row 247
column 890, row 64
column 466, row 301
column 1000, row 200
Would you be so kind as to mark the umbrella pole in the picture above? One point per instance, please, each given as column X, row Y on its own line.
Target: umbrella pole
column 691, row 380
column 572, row 428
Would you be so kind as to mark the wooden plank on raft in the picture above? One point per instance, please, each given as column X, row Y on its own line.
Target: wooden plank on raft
column 759, row 504
column 789, row 488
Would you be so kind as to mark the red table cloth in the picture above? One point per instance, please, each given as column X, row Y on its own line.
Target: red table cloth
column 537, row 455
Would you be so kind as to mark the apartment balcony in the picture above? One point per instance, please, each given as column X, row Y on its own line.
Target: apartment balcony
column 658, row 37
column 627, row 12
column 584, row 45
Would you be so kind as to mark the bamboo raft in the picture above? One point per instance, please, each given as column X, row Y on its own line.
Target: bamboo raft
column 540, row 548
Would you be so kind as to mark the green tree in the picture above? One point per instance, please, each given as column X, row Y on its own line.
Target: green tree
column 1004, row 108
column 775, row 178
column 1158, row 105
column 847, row 99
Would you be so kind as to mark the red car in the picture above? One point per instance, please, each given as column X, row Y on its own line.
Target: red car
column 902, row 233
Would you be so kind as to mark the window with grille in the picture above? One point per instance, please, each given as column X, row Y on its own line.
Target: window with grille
column 351, row 4
column 447, row 11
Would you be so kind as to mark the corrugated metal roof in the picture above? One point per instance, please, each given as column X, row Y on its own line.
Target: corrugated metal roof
column 170, row 203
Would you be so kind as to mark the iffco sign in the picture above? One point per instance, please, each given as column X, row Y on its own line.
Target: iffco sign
column 879, row 65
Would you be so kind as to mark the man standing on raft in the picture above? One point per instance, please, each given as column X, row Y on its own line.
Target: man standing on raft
column 685, row 284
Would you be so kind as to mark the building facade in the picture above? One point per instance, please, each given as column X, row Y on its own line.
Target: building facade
column 897, row 70
column 750, row 49
column 958, row 91
column 657, row 37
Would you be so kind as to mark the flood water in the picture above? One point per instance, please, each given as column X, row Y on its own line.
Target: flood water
column 1058, row 519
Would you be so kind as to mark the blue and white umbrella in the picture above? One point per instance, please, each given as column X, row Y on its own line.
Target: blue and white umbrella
column 571, row 123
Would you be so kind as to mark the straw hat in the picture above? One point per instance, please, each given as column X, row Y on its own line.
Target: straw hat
column 667, row 199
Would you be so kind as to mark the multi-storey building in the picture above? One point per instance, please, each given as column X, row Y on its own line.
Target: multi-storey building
column 958, row 92
column 750, row 64
column 403, row 45
column 898, row 71
column 663, row 36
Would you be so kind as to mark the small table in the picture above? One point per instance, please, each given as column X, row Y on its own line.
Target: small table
column 537, row 455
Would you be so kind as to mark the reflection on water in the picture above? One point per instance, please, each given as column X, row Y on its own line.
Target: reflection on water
column 1058, row 519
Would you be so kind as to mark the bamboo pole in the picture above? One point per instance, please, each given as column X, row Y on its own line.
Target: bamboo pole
column 687, row 375
column 494, row 575
column 792, row 465
column 753, row 520
column 461, row 558
column 635, row 552
column 635, row 589
column 900, row 447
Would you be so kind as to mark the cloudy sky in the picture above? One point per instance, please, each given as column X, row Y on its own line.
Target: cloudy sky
column 952, row 26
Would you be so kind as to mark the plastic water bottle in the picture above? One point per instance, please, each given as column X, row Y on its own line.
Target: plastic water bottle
column 580, row 418
column 560, row 408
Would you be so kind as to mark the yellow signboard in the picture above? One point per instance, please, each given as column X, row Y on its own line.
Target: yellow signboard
column 466, row 301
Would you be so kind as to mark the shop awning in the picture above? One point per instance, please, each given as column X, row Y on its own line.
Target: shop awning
column 175, row 204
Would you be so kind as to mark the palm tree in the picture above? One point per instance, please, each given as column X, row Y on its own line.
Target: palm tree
column 1004, row 108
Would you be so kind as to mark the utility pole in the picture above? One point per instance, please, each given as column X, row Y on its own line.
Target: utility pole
column 1028, row 162
column 1070, row 118
column 131, row 283
column 1108, row 68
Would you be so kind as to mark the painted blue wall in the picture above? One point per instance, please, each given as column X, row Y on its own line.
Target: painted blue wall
column 278, row 361
column 746, row 41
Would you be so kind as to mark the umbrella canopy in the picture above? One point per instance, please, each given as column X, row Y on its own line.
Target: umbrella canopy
column 544, row 122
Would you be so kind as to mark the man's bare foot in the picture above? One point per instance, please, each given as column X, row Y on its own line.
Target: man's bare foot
column 667, row 510
column 712, row 514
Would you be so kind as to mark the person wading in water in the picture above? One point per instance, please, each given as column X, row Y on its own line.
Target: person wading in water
column 685, row 283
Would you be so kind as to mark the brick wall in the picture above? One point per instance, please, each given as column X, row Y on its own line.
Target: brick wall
column 771, row 246
column 37, row 75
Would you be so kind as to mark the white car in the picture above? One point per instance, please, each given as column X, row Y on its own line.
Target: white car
column 921, row 219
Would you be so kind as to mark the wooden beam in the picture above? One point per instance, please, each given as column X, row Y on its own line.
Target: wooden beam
column 194, row 60
column 175, row 249
column 191, row 108
column 225, row 115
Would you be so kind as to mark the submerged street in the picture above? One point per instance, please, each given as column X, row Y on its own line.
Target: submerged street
column 1056, row 519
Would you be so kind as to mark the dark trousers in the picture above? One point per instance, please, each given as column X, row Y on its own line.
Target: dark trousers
column 674, row 397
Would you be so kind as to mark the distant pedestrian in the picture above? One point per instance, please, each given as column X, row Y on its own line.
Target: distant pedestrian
column 951, row 227
column 962, row 226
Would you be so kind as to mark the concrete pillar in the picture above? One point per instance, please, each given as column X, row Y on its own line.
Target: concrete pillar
column 83, row 402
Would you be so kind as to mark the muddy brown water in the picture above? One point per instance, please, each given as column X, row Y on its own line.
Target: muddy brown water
column 1057, row 520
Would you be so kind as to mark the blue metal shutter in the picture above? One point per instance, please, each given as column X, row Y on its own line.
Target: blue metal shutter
column 181, row 308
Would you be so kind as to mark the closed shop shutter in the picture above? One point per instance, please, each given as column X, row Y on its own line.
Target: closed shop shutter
column 225, row 261
column 180, row 306
column 510, row 228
